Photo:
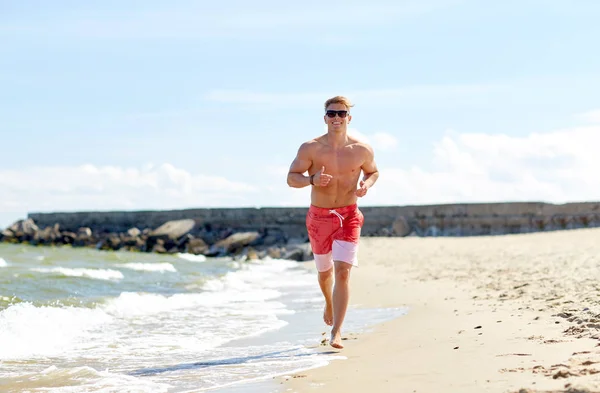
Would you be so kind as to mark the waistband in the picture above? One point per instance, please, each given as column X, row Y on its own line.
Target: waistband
column 327, row 210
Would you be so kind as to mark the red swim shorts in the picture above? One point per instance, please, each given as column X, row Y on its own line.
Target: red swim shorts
column 334, row 234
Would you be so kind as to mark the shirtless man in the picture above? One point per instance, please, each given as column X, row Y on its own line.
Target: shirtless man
column 334, row 162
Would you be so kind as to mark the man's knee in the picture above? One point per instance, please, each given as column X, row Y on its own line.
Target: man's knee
column 324, row 276
column 342, row 271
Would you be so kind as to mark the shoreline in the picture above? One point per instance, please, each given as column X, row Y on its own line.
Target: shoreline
column 293, row 347
column 494, row 314
column 308, row 325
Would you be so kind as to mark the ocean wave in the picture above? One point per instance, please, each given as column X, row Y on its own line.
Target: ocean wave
column 79, row 379
column 149, row 267
column 27, row 331
column 191, row 257
column 98, row 274
column 131, row 304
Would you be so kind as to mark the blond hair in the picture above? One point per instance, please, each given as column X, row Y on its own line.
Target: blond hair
column 339, row 100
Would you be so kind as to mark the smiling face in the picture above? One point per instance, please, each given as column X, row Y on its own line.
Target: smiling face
column 337, row 117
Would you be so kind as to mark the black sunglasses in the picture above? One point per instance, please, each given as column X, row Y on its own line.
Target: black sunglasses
column 341, row 114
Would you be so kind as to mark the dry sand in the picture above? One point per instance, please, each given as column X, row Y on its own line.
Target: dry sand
column 486, row 314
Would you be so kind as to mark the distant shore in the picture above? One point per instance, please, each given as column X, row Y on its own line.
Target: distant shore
column 173, row 237
column 255, row 233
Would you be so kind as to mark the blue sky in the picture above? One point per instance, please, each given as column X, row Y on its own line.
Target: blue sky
column 125, row 105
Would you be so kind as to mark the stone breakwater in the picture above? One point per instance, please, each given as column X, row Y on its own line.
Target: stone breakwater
column 255, row 233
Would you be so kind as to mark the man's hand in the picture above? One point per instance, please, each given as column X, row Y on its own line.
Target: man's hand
column 362, row 190
column 321, row 179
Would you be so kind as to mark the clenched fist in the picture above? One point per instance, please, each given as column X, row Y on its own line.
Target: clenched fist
column 362, row 190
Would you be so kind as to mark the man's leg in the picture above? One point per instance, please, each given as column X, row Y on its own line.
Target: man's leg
column 326, row 284
column 341, row 296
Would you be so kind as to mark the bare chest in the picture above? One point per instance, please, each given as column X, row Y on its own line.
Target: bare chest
column 339, row 162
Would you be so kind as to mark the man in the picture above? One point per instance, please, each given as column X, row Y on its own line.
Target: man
column 334, row 162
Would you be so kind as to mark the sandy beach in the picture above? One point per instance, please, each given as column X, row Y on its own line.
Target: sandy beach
column 514, row 313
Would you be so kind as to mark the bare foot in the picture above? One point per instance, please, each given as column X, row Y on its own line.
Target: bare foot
column 336, row 340
column 328, row 315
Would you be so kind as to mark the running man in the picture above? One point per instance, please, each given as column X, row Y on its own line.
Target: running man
column 334, row 162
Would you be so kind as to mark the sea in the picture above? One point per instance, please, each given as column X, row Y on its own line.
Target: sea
column 85, row 320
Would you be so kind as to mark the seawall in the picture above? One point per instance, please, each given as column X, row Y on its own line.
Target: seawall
column 469, row 219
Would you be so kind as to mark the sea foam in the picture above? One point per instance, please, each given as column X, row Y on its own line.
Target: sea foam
column 98, row 274
column 149, row 267
column 26, row 330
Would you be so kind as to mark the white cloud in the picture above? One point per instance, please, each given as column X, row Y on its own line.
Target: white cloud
column 89, row 187
column 591, row 116
column 277, row 170
column 384, row 141
column 353, row 132
column 558, row 166
column 379, row 140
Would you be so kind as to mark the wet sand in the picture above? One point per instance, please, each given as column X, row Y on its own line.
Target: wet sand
column 514, row 313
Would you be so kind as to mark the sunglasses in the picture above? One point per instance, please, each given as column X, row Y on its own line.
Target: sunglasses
column 341, row 114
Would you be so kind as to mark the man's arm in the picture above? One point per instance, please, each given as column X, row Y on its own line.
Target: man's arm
column 369, row 168
column 301, row 164
column 371, row 174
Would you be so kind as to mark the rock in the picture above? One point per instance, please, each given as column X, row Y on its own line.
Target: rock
column 67, row 237
column 209, row 237
column 247, row 254
column 169, row 233
column 294, row 241
column 84, row 237
column 252, row 254
column 173, row 229
column 134, row 232
column 22, row 231
column 299, row 252
column 159, row 248
column 295, row 254
column 84, row 232
column 24, row 227
column 111, row 242
column 233, row 243
column 196, row 246
column 401, row 227
column 274, row 252
column 132, row 242
column 183, row 241
column 6, row 235
column 47, row 236
column 270, row 240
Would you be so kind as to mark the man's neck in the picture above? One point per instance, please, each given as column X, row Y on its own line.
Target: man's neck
column 337, row 139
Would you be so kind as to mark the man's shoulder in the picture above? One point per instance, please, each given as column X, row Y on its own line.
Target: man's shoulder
column 312, row 143
column 360, row 144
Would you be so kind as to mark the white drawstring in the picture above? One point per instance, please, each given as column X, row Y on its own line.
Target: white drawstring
column 337, row 214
